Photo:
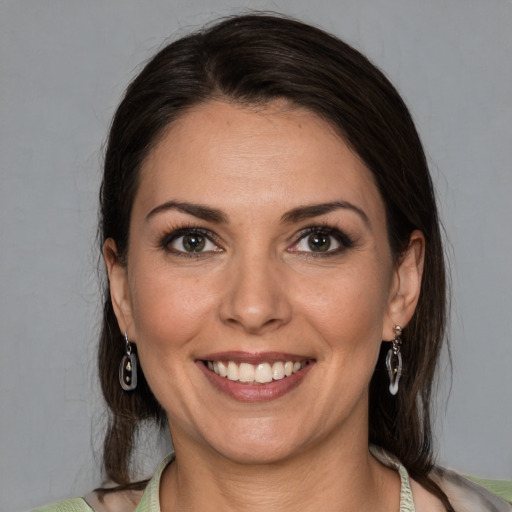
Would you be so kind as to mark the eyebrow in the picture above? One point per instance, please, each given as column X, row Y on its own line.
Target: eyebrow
column 197, row 210
column 315, row 210
column 296, row 215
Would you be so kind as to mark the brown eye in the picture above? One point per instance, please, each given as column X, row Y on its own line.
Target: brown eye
column 318, row 242
column 322, row 241
column 191, row 242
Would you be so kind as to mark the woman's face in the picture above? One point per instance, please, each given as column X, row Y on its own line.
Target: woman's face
column 258, row 249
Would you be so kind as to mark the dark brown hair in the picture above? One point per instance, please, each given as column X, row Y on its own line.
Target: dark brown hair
column 255, row 59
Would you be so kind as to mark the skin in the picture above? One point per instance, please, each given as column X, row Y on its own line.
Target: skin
column 257, row 287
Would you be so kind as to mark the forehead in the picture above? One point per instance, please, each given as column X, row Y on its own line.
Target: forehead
column 255, row 156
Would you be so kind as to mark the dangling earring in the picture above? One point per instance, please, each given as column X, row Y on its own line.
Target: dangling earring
column 128, row 367
column 394, row 361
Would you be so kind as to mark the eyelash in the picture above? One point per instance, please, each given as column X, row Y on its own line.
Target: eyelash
column 174, row 234
column 345, row 241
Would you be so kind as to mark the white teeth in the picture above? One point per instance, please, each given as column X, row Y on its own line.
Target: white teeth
column 223, row 370
column 278, row 370
column 232, row 371
column 263, row 373
column 246, row 372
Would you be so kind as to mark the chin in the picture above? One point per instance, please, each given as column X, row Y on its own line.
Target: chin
column 257, row 454
column 259, row 444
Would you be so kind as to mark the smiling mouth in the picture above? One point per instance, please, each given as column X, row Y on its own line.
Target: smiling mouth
column 262, row 373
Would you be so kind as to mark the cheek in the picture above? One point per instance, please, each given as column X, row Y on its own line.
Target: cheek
column 168, row 310
column 349, row 308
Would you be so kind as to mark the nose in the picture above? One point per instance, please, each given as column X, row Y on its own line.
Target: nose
column 257, row 297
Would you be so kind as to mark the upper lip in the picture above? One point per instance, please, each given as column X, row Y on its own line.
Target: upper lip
column 254, row 357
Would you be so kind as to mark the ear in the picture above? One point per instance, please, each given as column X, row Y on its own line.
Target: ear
column 119, row 288
column 406, row 286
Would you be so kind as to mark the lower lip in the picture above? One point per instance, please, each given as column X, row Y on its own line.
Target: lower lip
column 255, row 392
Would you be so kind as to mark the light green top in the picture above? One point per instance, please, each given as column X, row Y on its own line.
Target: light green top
column 502, row 488
column 72, row 505
column 464, row 494
column 150, row 501
column 406, row 501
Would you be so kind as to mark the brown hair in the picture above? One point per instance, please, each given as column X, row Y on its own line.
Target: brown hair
column 254, row 59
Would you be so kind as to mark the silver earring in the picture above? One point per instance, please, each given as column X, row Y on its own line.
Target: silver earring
column 394, row 361
column 128, row 367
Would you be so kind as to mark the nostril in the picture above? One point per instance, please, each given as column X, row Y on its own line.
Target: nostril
column 253, row 325
column 255, row 300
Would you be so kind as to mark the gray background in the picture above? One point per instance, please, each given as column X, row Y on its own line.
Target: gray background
column 63, row 67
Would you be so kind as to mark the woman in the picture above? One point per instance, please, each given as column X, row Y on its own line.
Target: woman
column 267, row 220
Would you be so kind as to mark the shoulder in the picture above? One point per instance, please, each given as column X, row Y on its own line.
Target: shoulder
column 122, row 501
column 468, row 496
column 72, row 505
column 424, row 501
column 119, row 501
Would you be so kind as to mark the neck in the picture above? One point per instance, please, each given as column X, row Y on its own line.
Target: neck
column 334, row 476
